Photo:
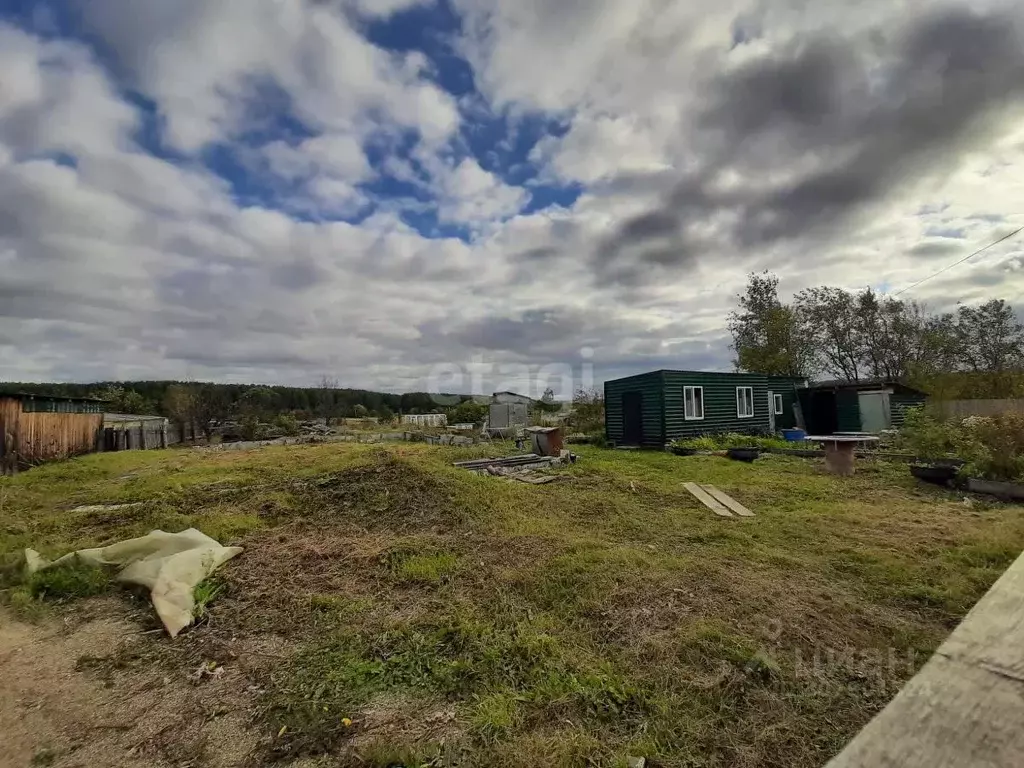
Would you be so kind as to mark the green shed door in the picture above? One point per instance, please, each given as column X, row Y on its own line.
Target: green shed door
column 632, row 418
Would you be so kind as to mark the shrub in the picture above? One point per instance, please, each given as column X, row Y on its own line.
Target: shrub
column 286, row 424
column 927, row 437
column 993, row 446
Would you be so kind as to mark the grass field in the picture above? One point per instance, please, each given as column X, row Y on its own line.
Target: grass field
column 429, row 616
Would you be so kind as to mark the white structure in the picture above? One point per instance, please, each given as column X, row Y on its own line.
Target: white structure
column 426, row 419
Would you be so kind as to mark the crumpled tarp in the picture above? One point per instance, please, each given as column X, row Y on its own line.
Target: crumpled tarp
column 170, row 565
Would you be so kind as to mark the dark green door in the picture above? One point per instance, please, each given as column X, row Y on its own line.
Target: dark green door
column 632, row 418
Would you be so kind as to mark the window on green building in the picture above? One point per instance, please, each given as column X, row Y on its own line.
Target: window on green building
column 745, row 402
column 693, row 403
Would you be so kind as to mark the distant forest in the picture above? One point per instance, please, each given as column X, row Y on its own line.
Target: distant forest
column 325, row 401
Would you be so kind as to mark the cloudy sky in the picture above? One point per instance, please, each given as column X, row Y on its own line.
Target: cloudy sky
column 275, row 190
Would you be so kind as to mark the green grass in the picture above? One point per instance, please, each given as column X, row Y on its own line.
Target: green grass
column 204, row 593
column 433, row 616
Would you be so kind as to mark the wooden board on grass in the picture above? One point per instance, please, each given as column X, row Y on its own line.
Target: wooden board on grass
column 707, row 500
column 728, row 501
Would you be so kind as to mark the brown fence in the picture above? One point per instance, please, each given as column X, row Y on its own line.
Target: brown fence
column 27, row 439
column 961, row 409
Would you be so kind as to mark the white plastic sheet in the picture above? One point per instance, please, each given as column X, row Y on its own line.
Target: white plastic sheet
column 170, row 565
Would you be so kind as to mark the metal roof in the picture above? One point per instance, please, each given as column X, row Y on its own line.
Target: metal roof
column 38, row 396
column 861, row 384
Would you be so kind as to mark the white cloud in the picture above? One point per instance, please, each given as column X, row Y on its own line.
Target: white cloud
column 208, row 64
column 54, row 98
column 469, row 194
column 130, row 265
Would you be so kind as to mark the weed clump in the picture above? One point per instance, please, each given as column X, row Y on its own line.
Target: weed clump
column 67, row 581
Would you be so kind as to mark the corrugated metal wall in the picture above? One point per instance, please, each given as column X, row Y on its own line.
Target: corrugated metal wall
column 38, row 437
column 650, row 386
column 901, row 402
column 848, row 411
column 719, row 404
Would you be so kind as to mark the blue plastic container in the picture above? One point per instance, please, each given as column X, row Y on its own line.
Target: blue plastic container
column 794, row 435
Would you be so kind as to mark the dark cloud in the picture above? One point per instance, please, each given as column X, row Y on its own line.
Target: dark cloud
column 934, row 249
column 821, row 129
column 533, row 332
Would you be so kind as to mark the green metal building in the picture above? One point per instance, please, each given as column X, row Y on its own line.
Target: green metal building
column 868, row 405
column 653, row 409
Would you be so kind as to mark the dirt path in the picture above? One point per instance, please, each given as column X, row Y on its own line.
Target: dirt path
column 67, row 698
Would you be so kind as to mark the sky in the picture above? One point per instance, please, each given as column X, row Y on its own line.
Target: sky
column 465, row 195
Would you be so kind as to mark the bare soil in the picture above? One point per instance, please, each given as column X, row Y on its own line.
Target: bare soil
column 72, row 693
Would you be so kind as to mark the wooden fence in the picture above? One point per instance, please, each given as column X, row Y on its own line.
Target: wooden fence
column 27, row 439
column 961, row 409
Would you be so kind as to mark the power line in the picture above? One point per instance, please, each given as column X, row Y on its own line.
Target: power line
column 961, row 261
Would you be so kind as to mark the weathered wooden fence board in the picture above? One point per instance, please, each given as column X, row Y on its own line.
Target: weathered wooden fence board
column 961, row 409
column 35, row 437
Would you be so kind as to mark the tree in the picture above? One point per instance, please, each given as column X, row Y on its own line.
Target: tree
column 120, row 399
column 361, row 411
column 767, row 336
column 588, row 410
column 889, row 335
column 179, row 407
column 991, row 341
column 547, row 402
column 195, row 405
column 829, row 317
column 325, row 397
column 468, row 412
column 990, row 337
column 209, row 406
column 257, row 402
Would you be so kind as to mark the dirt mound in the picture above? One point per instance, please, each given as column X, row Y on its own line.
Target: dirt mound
column 331, row 546
column 388, row 493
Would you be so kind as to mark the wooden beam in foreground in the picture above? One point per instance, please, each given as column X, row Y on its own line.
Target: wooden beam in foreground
column 966, row 705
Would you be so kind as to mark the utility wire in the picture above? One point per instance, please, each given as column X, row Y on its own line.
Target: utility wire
column 961, row 261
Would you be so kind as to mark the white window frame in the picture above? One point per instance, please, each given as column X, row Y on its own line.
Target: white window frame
column 779, row 405
column 739, row 412
column 695, row 417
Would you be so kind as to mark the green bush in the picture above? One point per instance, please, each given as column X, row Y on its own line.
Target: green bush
column 286, row 424
column 928, row 438
column 992, row 446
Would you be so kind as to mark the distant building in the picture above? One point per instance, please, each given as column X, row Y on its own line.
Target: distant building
column 507, row 417
column 426, row 419
column 38, row 428
column 133, row 432
column 511, row 398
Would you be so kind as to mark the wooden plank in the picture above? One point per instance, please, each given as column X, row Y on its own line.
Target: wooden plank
column 708, row 501
column 965, row 706
column 728, row 500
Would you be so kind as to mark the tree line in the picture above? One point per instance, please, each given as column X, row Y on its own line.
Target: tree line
column 828, row 332
column 326, row 400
